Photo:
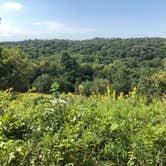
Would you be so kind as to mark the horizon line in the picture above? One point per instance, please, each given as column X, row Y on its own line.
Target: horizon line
column 92, row 38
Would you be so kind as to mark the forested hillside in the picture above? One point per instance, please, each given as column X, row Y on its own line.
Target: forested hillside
column 85, row 67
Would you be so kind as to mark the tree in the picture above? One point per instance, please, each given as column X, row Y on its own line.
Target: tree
column 119, row 76
column 86, row 72
column 159, row 80
column 68, row 72
column 16, row 70
column 43, row 83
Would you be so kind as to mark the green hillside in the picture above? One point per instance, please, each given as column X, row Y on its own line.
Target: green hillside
column 122, row 63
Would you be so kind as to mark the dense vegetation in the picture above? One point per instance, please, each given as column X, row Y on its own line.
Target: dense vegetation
column 101, row 102
column 75, row 130
column 85, row 66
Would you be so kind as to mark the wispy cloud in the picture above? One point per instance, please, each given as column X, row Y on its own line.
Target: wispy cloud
column 13, row 6
column 54, row 27
column 43, row 30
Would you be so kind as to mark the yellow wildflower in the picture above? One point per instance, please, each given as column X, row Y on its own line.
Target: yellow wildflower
column 121, row 96
column 108, row 90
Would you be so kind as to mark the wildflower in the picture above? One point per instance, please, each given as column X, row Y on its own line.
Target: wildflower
column 57, row 101
column 134, row 92
column 108, row 90
column 121, row 96
column 99, row 95
column 114, row 95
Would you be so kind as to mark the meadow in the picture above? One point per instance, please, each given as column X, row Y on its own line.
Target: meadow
column 72, row 130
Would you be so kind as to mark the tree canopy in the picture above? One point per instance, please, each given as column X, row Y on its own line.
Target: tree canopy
column 122, row 63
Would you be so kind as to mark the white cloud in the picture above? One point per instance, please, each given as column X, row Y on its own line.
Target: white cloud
column 14, row 6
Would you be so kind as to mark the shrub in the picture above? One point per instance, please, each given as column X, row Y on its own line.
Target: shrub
column 77, row 130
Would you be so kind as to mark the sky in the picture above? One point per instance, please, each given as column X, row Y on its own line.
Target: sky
column 81, row 19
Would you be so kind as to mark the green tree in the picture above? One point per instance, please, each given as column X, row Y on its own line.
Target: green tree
column 16, row 70
column 119, row 76
column 68, row 72
column 159, row 80
column 43, row 83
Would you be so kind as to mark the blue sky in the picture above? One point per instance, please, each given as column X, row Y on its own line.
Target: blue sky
column 81, row 19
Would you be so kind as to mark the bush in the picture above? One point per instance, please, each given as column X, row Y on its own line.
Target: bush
column 77, row 130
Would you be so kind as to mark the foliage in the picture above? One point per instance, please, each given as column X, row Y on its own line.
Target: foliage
column 79, row 130
column 54, row 88
column 124, row 63
column 16, row 70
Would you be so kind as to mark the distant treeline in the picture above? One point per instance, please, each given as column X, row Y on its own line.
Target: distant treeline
column 85, row 67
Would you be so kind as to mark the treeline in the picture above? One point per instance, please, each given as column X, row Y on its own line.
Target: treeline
column 85, row 67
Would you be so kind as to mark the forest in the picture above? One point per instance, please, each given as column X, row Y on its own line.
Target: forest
column 90, row 64
column 97, row 102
